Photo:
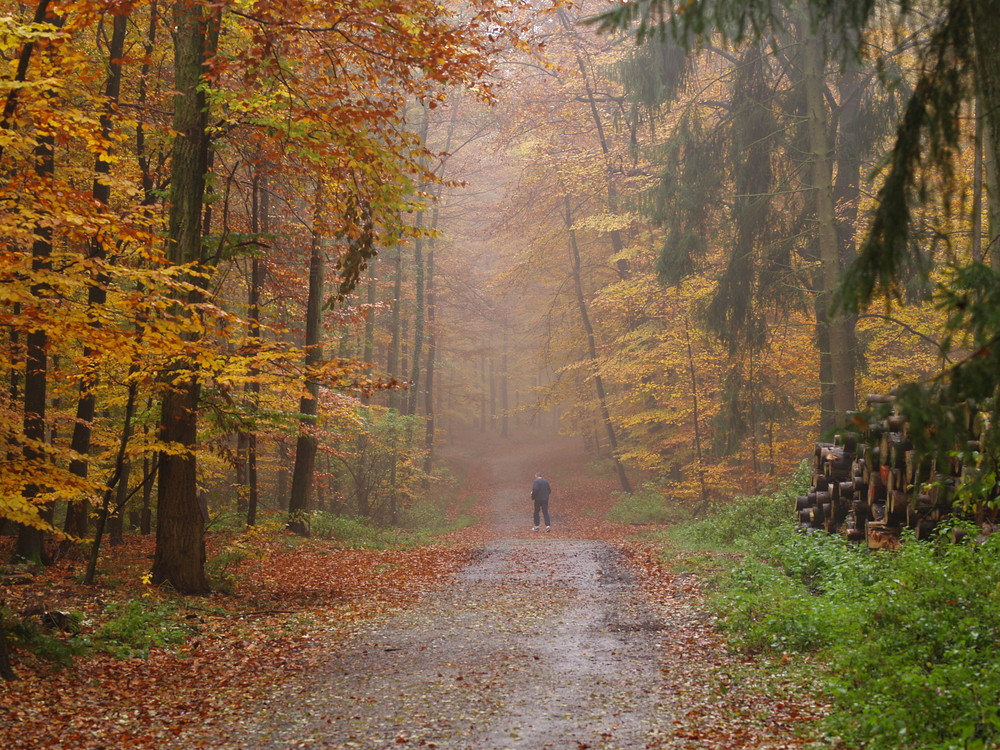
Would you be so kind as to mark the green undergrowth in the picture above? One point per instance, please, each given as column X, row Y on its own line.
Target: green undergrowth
column 129, row 630
column 648, row 504
column 441, row 508
column 347, row 531
column 906, row 641
column 420, row 525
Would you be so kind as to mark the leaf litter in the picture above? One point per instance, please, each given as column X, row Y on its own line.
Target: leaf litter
column 496, row 638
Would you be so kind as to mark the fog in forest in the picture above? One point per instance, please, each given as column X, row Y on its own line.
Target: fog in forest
column 309, row 308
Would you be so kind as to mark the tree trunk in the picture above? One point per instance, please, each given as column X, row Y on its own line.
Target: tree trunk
column 368, row 352
column 116, row 532
column 394, row 345
column 419, row 312
column 978, row 185
column 612, row 191
column 493, row 396
column 431, row 354
column 841, row 352
column 696, row 416
column 305, row 446
column 986, row 25
column 146, row 514
column 21, row 74
column 260, row 221
column 6, row 671
column 581, row 301
column 118, row 475
column 30, row 541
column 180, row 532
column 482, row 392
column 504, row 406
column 76, row 513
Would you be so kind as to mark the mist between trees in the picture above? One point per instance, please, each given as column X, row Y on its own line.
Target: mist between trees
column 270, row 258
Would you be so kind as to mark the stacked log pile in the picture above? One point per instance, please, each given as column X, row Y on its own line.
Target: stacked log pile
column 871, row 486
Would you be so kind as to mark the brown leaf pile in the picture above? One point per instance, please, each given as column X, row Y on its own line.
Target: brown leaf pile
column 292, row 603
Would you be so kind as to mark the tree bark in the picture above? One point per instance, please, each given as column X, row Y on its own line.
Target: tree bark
column 368, row 351
column 617, row 245
column 180, row 533
column 76, row 513
column 394, row 344
column 119, row 478
column 504, row 404
column 260, row 221
column 986, row 25
column 419, row 312
column 29, row 545
column 21, row 74
column 6, row 671
column 581, row 300
column 841, row 353
column 431, row 355
column 696, row 416
column 305, row 446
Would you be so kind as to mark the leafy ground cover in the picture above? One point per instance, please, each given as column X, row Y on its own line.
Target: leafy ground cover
column 156, row 671
column 196, row 661
column 901, row 643
column 732, row 697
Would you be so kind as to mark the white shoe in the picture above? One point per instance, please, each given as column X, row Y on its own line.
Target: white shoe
column 548, row 529
column 534, row 528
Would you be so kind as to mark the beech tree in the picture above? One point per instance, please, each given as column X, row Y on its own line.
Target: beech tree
column 139, row 305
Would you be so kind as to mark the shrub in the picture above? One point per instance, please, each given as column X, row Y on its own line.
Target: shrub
column 909, row 637
column 928, row 666
column 744, row 518
column 647, row 505
column 350, row 531
column 46, row 643
column 426, row 517
column 249, row 543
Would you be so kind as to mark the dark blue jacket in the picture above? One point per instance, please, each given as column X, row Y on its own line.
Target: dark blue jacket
column 540, row 489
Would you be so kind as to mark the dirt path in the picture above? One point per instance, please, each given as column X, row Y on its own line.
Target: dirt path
column 539, row 643
column 543, row 642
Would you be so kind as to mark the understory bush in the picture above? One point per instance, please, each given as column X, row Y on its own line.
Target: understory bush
column 735, row 522
column 647, row 505
column 910, row 636
column 50, row 643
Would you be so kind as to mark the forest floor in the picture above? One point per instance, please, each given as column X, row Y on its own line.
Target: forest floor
column 499, row 637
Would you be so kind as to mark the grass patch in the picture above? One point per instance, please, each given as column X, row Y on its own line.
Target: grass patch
column 420, row 525
column 348, row 531
column 438, row 511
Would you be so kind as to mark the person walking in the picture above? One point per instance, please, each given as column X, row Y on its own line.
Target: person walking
column 540, row 491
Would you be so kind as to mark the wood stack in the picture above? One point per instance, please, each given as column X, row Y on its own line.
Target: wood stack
column 870, row 486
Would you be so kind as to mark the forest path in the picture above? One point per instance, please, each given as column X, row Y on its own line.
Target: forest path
column 544, row 641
